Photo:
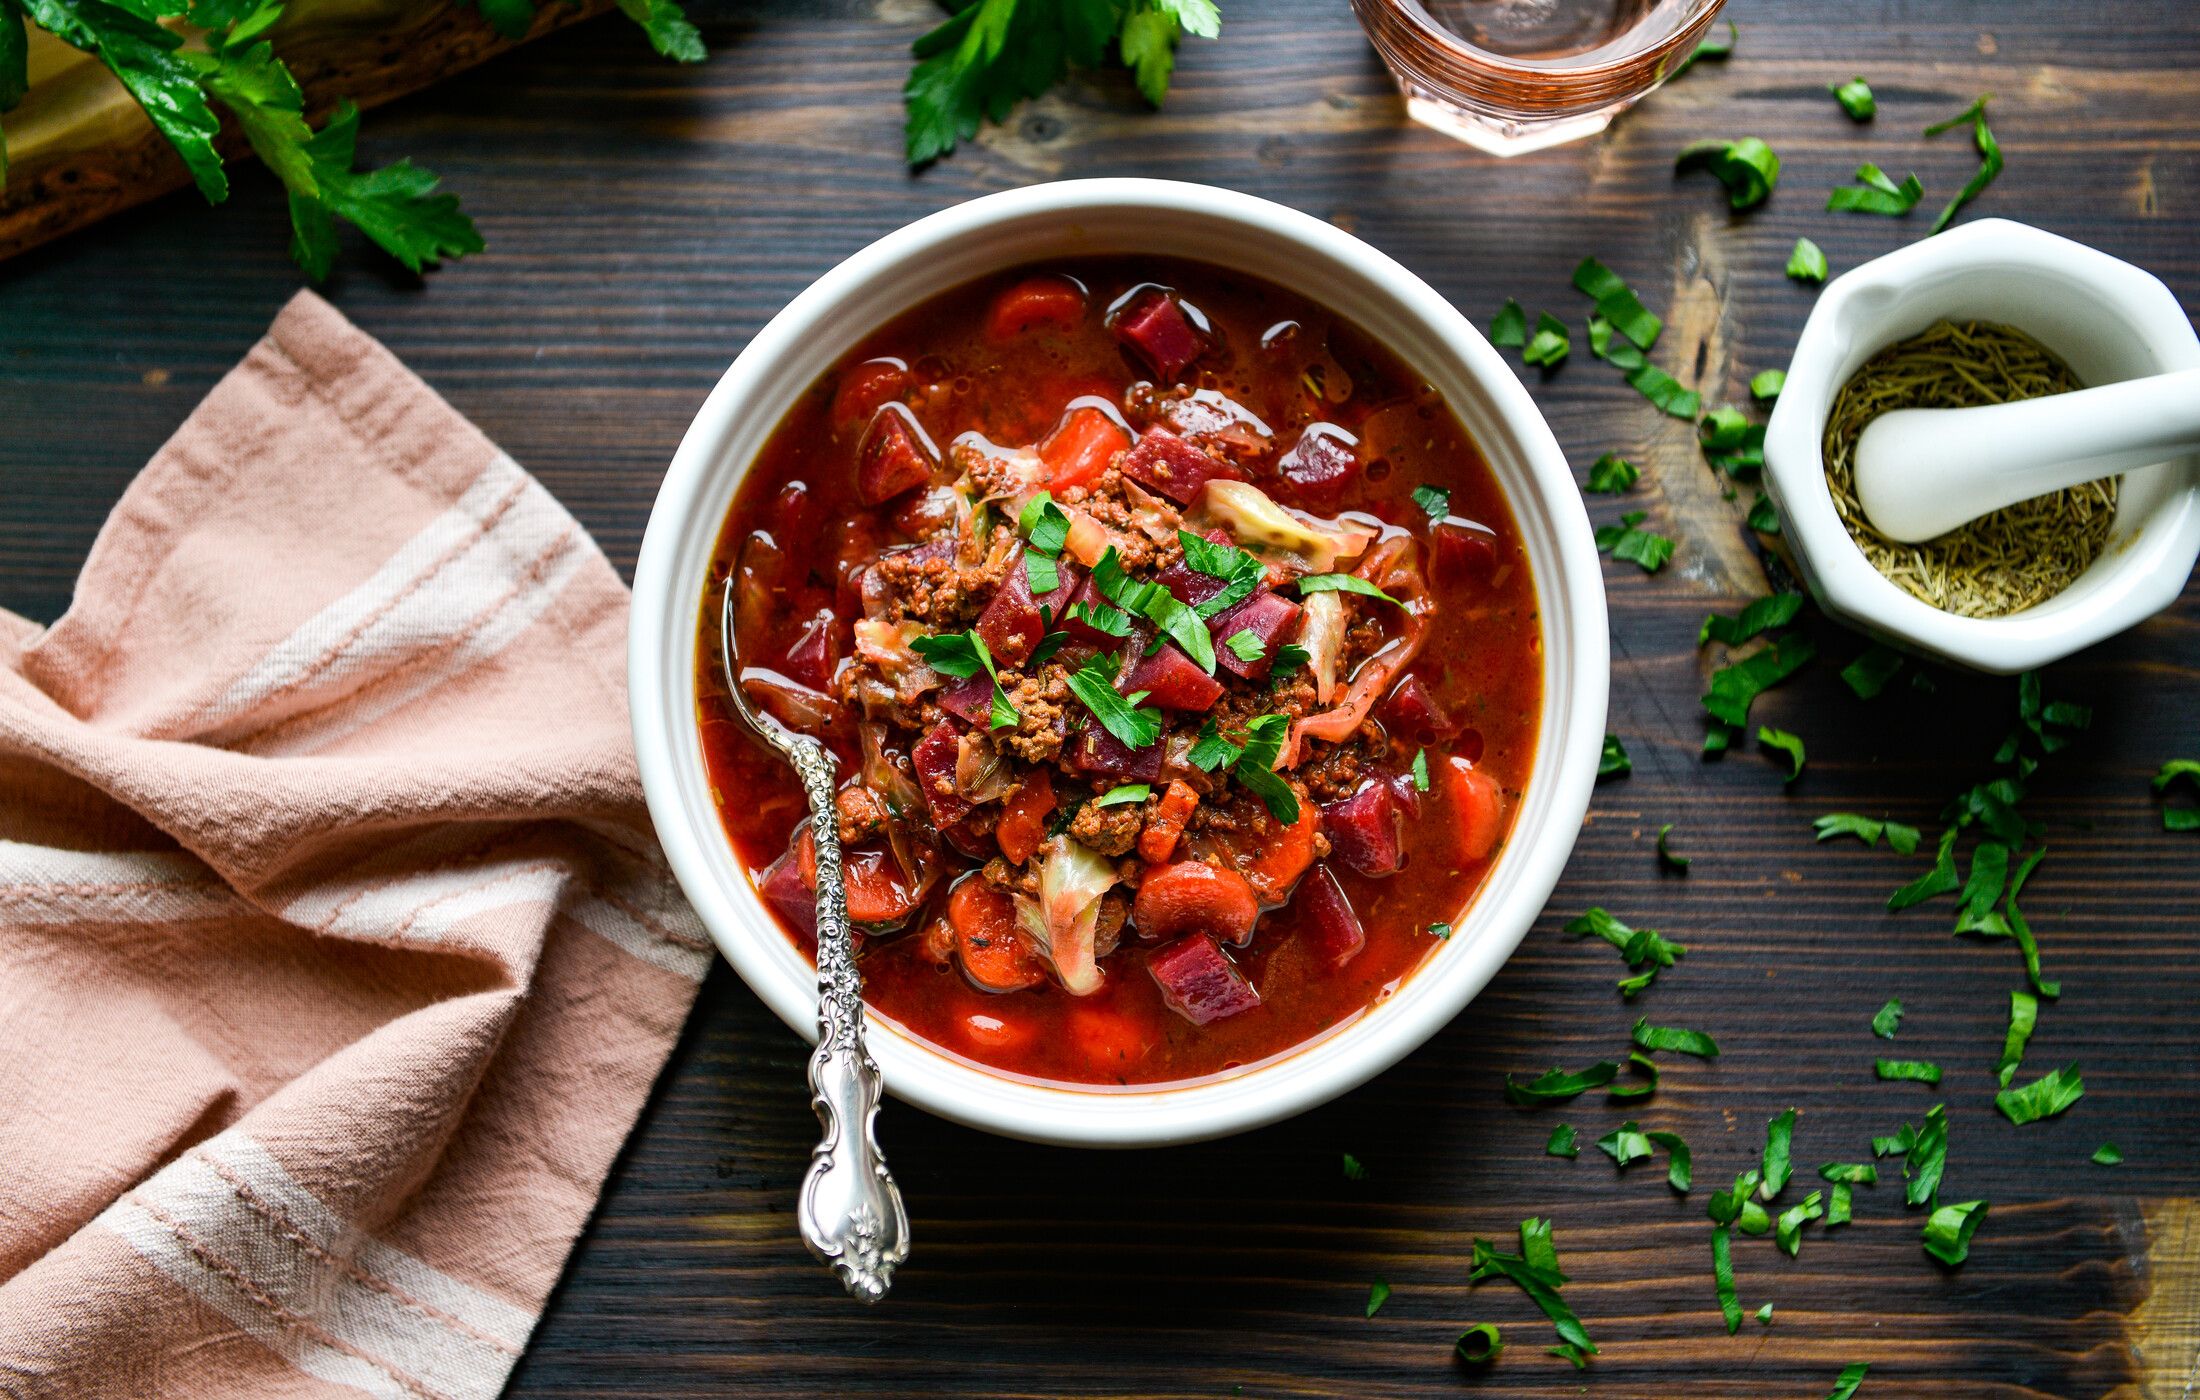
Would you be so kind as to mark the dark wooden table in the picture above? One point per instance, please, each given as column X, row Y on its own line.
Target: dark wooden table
column 643, row 221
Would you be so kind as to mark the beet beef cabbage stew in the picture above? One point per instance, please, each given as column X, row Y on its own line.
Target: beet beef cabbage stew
column 1178, row 651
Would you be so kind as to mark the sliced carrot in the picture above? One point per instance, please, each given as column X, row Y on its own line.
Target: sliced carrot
column 1080, row 449
column 1107, row 1037
column 1194, row 897
column 1046, row 301
column 1158, row 841
column 1478, row 808
column 1276, row 863
column 1023, row 824
column 876, row 897
column 993, row 955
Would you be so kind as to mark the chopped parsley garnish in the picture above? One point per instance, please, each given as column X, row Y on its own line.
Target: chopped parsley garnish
column 1888, row 1019
column 1210, row 750
column 1989, row 152
column 1555, row 1085
column 2024, row 1014
column 1644, row 950
column 1788, row 1230
column 1624, row 541
column 2179, row 818
column 1787, row 743
column 1708, row 47
column 2044, row 1097
column 2108, row 1155
column 1246, row 646
column 1637, row 1061
column 1289, row 657
column 1777, row 1164
column 1550, row 343
column 1748, row 168
column 1127, row 792
column 1855, row 97
column 1614, row 759
column 1158, row 606
column 1934, row 882
column 1948, row 1232
column 1378, row 1293
column 1439, row 929
column 1838, row 1198
column 1735, row 686
column 1480, row 1344
column 1100, row 617
column 1851, row 1173
column 1094, row 685
column 1903, row 839
column 1612, row 474
column 962, row 655
column 1241, row 571
column 1508, row 327
column 1852, row 1376
column 1678, row 1170
column 1420, row 770
column 1807, row 263
column 1677, row 864
column 1535, row 1270
column 1767, row 384
column 1625, row 1144
column 1924, row 1153
column 1915, row 1071
column 1043, row 524
column 1877, row 194
column 1617, row 303
column 1722, row 1277
column 1763, row 516
column 1255, row 767
column 1868, row 674
column 1041, row 572
column 1561, row 1142
column 1343, row 583
column 1675, row 1038
column 1762, row 615
column 1353, row 1171
column 1764, row 1314
column 2023, row 930
column 1648, row 380
column 1728, row 1207
column 1434, row 501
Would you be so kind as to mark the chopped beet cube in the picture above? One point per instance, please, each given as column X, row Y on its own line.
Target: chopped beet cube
column 1011, row 626
column 1166, row 464
column 1094, row 750
column 895, row 455
column 1464, row 550
column 934, row 760
column 1364, row 830
column 1320, row 465
column 1269, row 616
column 810, row 659
column 1080, row 634
column 1155, row 329
column 1173, row 681
column 1199, row 982
column 1411, row 713
column 970, row 700
column 1332, row 931
column 785, row 890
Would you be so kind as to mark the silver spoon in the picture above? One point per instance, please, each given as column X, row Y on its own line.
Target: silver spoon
column 850, row 1210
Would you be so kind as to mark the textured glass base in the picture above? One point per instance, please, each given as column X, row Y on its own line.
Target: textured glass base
column 1503, row 136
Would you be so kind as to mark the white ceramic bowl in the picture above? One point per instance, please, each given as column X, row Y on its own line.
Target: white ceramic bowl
column 1122, row 216
column 2108, row 321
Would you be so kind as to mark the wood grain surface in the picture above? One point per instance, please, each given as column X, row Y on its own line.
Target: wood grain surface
column 644, row 220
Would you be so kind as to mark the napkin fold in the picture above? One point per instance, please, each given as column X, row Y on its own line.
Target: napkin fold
column 337, row 957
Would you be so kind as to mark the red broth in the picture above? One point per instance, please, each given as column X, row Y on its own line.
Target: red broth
column 1003, row 358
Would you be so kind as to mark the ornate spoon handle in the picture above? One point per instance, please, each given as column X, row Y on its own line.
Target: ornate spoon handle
column 850, row 1210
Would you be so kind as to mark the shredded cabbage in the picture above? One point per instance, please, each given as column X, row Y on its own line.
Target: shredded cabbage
column 1323, row 639
column 1263, row 527
column 1061, row 924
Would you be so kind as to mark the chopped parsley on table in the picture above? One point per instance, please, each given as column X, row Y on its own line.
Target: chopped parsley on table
column 1353, row 1171
column 1612, row 474
column 1644, row 950
column 1788, row 1231
column 1852, row 1376
column 1509, row 327
column 1378, row 1293
column 1480, row 1344
column 1678, row 1168
column 1617, row 303
column 1535, row 1270
column 1888, row 1018
column 1678, row 864
column 1555, row 1085
column 1877, row 193
column 1709, row 47
column 1625, row 1144
column 1989, row 152
column 1807, row 263
column 1855, row 97
column 1913, row 1071
column 1614, row 760
column 2108, row 1155
column 1761, row 615
column 1767, row 384
column 1550, row 344
column 2179, row 818
column 1948, row 1231
column 2044, row 1097
column 1675, row 1038
column 1748, row 168
column 1637, row 546
column 1903, row 839
column 1561, row 1142
column 1777, row 1163
column 1787, row 743
column 1868, row 674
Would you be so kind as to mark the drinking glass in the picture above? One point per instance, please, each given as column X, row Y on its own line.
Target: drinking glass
column 1509, row 76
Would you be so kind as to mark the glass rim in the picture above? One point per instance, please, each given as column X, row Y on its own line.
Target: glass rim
column 1428, row 30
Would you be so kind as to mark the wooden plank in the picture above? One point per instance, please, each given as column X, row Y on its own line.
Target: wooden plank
column 645, row 220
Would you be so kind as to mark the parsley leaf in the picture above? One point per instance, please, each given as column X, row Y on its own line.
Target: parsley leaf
column 1439, row 929
column 1041, row 572
column 2179, row 818
column 1868, row 674
column 1648, row 380
column 2108, row 1155
column 2024, row 1014
column 1644, row 950
column 1722, row 1277
column 1767, row 384
column 1933, row 883
column 1677, row 864
column 1353, row 1171
column 1807, row 263
column 1480, row 1344
column 1763, row 615
column 1246, row 646
column 1735, row 686
column 1126, row 792
column 1535, row 1270
column 958, row 654
column 1044, row 524
column 1763, row 515
column 1678, row 1170
column 1888, row 1019
column 2044, row 1097
column 1855, row 97
column 1902, row 838
column 1554, row 1085
column 166, row 83
column 1748, row 168
column 1989, row 152
column 1617, row 303
column 1878, row 194
column 1254, row 767
column 1788, row 1232
column 1852, row 1376
column 1239, row 570
column 1612, row 474
column 1850, row 1173
column 1158, row 606
column 1625, row 1144
column 1948, row 1232
column 1915, row 1071
column 1924, row 1155
column 1094, row 684
column 1789, row 744
column 1624, row 541
column 1637, row 1061
column 1614, row 759
column 1677, row 1038
column 1102, row 618
column 1509, row 327
column 1708, row 47
column 1342, row 583
column 1434, row 501
column 1210, row 750
column 1764, row 1314
column 1420, row 770
column 1378, row 1294
column 1561, row 1142
column 1289, row 657
column 1550, row 343
column 1779, row 1135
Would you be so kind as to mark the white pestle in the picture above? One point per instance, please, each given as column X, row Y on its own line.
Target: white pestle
column 1921, row 472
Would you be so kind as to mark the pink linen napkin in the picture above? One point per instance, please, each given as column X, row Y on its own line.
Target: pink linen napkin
column 336, row 954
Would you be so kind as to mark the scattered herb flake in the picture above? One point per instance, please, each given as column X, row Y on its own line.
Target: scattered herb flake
column 1850, row 1173
column 2022, row 930
column 1989, row 152
column 1764, row 516
column 1246, row 646
column 2024, row 1014
column 1434, row 501
column 1239, row 571
column 1625, row 1144
column 1677, row 864
column 1555, row 1085
column 1439, row 929
column 1837, row 1204
column 1509, row 327
column 1748, row 168
column 1094, row 685
column 1678, row 1171
column 1877, row 194
column 1614, row 759
column 1612, row 474
column 1933, row 883
column 1889, row 1017
column 1675, row 1038
column 1767, row 384
column 1624, row 541
column 1378, row 1293
column 1480, row 1344
column 1787, row 743
column 1788, row 1232
column 1127, row 792
column 1708, row 47
column 1948, row 1232
column 1779, row 1138
column 1638, row 1062
column 1855, row 97
column 1868, row 674
column 1735, row 686
column 1561, row 1143
column 1342, row 583
column 1535, row 1270
column 2107, row 1155
column 1617, row 303
column 1722, row 1277
column 1807, row 263
column 1915, row 1071
column 1420, row 770
column 1353, row 1171
column 1766, row 614
column 2179, row 818
column 1044, row 524
column 1645, row 950
column 1550, row 344
column 2044, row 1097
column 1852, row 1376
column 1764, row 1314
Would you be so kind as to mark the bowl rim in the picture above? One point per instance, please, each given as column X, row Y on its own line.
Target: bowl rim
column 2145, row 575
column 1570, row 600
